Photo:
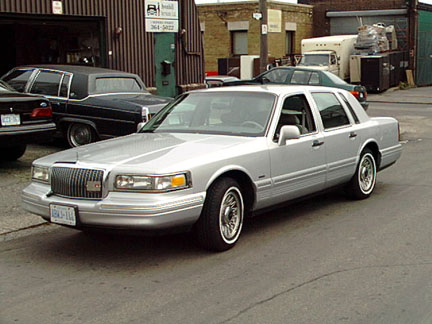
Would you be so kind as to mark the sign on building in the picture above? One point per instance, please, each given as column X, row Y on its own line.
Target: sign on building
column 57, row 7
column 161, row 16
column 274, row 18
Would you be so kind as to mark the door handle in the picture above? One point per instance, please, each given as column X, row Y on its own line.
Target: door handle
column 317, row 143
column 352, row 135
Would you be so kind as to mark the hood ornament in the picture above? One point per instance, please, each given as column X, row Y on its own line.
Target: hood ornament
column 11, row 109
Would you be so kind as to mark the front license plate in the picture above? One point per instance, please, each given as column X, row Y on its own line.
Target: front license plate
column 10, row 120
column 61, row 214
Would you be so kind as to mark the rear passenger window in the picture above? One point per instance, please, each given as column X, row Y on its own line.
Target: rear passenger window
column 331, row 110
column 47, row 83
column 351, row 109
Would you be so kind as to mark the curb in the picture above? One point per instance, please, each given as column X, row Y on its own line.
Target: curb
column 400, row 103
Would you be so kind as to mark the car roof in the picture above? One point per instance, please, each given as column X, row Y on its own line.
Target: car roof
column 82, row 69
column 276, row 89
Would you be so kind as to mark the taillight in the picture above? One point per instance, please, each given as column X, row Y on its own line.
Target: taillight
column 399, row 133
column 355, row 93
column 145, row 114
column 42, row 112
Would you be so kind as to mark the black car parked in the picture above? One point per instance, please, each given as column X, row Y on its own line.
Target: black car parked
column 24, row 119
column 89, row 103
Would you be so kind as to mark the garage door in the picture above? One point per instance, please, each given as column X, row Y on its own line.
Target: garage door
column 347, row 22
column 424, row 49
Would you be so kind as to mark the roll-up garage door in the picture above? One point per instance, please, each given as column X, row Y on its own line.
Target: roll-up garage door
column 347, row 22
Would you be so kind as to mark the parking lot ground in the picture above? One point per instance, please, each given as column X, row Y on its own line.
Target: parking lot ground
column 15, row 176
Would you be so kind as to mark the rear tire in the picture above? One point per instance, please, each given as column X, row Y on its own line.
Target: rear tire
column 80, row 134
column 221, row 220
column 363, row 182
column 14, row 153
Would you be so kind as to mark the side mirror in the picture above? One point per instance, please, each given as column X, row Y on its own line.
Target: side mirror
column 288, row 132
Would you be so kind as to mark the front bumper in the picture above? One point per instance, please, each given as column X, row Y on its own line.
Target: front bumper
column 121, row 210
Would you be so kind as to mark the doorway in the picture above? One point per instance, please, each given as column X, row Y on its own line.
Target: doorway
column 35, row 39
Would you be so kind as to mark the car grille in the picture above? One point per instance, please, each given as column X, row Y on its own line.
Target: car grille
column 77, row 182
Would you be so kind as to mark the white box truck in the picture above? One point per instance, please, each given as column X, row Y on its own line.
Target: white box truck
column 329, row 53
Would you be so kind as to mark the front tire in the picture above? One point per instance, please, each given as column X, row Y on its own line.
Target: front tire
column 221, row 220
column 80, row 134
column 364, row 180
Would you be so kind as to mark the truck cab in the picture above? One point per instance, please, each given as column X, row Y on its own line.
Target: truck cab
column 322, row 60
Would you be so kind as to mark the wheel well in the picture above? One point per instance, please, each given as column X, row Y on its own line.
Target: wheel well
column 375, row 151
column 246, row 186
column 64, row 124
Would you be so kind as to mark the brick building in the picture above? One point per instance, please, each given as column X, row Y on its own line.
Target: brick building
column 229, row 29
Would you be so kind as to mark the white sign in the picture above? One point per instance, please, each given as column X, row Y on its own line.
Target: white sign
column 161, row 16
column 264, row 29
column 57, row 7
column 274, row 20
column 257, row 15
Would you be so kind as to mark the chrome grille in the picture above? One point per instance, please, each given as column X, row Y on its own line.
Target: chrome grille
column 72, row 182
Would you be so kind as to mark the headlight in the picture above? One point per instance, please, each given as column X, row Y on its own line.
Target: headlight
column 153, row 183
column 40, row 173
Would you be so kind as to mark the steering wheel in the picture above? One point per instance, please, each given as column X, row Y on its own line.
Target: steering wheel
column 253, row 124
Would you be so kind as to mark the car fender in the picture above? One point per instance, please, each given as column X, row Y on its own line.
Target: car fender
column 366, row 143
column 228, row 168
column 68, row 120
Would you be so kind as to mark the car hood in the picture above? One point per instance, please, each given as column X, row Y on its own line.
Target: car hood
column 153, row 103
column 150, row 152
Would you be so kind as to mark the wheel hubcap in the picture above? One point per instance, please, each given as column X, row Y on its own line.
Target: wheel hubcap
column 367, row 174
column 80, row 135
column 231, row 215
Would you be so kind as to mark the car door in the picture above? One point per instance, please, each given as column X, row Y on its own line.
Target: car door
column 341, row 138
column 298, row 167
column 53, row 85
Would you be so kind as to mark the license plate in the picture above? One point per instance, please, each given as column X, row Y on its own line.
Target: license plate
column 10, row 120
column 65, row 215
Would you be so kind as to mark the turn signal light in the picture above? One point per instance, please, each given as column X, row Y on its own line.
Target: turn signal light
column 42, row 112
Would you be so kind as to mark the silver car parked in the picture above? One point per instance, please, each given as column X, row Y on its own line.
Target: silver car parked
column 214, row 156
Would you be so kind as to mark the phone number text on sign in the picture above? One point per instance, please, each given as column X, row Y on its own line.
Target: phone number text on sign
column 162, row 26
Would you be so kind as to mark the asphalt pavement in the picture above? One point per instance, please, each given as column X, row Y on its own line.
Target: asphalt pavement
column 324, row 260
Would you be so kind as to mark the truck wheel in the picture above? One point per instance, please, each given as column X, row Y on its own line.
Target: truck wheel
column 363, row 182
column 221, row 220
column 80, row 134
column 14, row 153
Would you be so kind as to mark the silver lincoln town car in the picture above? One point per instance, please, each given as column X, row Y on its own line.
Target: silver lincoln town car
column 214, row 156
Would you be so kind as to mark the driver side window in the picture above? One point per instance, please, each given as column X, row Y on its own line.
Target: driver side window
column 276, row 76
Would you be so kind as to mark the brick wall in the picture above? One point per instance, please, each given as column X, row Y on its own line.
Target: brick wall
column 217, row 37
column 322, row 25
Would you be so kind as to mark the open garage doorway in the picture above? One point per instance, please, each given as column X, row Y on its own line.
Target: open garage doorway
column 35, row 39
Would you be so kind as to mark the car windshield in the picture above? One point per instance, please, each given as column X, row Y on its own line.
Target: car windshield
column 314, row 59
column 117, row 84
column 334, row 78
column 228, row 113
